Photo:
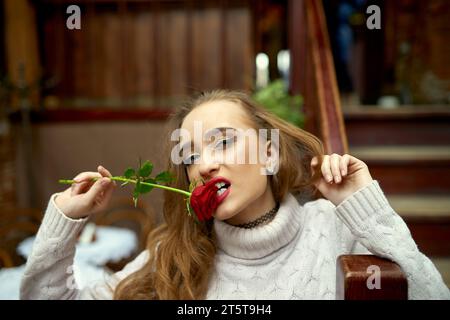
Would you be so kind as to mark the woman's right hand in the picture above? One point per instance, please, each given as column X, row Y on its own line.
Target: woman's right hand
column 86, row 197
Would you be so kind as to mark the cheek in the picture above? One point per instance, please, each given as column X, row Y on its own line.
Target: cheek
column 250, row 179
column 258, row 179
column 249, row 185
column 191, row 175
column 245, row 152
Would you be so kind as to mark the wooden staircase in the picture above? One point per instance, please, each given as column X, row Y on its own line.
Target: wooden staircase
column 408, row 151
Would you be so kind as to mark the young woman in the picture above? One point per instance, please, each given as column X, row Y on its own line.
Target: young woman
column 267, row 240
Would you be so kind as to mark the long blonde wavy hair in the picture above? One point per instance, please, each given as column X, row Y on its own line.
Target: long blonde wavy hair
column 182, row 252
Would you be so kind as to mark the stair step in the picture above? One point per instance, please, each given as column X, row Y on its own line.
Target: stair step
column 408, row 151
column 402, row 153
column 408, row 169
column 410, row 125
column 423, row 207
column 404, row 112
column 428, row 219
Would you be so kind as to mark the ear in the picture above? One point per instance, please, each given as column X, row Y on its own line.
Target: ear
column 273, row 161
column 267, row 168
column 268, row 151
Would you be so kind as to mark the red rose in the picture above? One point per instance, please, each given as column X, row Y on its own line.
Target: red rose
column 204, row 200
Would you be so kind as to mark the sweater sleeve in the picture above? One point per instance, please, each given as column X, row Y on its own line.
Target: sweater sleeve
column 383, row 232
column 48, row 271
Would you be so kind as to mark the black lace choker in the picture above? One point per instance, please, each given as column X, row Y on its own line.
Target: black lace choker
column 265, row 218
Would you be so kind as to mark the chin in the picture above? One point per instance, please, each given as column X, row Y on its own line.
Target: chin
column 225, row 211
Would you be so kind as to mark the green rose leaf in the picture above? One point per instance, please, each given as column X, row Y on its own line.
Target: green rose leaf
column 144, row 188
column 164, row 177
column 129, row 173
column 146, row 169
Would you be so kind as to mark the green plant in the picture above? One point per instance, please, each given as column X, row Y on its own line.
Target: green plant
column 276, row 99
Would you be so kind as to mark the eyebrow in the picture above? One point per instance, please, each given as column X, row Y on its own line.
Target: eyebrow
column 221, row 129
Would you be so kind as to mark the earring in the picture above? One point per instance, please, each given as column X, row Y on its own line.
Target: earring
column 269, row 169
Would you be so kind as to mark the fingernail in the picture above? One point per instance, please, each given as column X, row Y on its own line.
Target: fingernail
column 343, row 172
column 329, row 178
column 104, row 181
column 337, row 179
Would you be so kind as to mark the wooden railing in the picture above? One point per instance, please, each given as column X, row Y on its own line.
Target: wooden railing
column 313, row 76
column 354, row 282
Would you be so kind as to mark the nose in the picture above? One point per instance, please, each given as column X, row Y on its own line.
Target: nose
column 208, row 169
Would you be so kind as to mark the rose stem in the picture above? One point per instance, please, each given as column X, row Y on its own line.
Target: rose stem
column 134, row 181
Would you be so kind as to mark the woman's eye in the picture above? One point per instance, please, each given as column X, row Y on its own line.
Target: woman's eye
column 224, row 142
column 190, row 160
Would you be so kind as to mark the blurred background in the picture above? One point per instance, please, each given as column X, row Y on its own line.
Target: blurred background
column 71, row 99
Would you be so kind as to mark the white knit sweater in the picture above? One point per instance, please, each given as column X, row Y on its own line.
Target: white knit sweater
column 292, row 257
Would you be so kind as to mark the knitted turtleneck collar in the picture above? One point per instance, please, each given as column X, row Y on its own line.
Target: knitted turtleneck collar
column 261, row 241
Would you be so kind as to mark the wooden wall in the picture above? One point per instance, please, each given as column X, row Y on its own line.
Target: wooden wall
column 149, row 53
column 64, row 149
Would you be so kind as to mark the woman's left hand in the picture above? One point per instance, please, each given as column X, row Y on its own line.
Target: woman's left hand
column 341, row 176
